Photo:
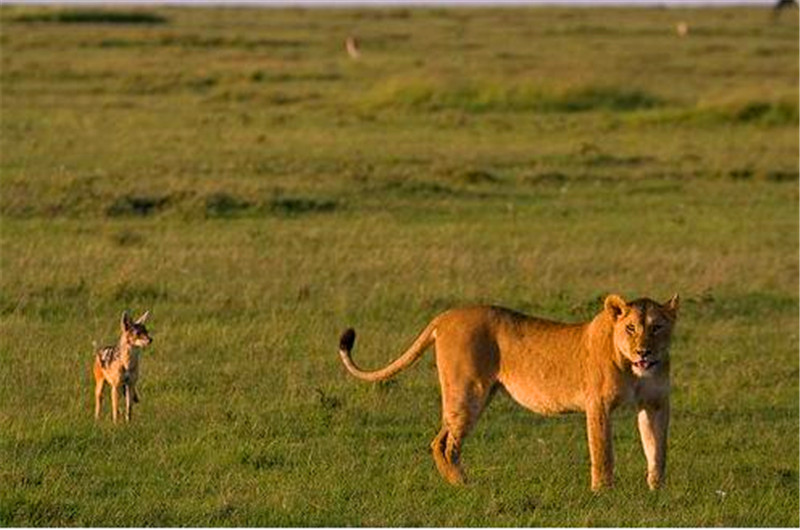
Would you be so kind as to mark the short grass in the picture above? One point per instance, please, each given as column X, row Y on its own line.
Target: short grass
column 236, row 173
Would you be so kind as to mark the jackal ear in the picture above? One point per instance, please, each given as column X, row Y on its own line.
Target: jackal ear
column 672, row 305
column 615, row 305
column 143, row 318
column 125, row 322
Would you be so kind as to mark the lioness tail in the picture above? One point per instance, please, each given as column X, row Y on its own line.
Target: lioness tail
column 416, row 350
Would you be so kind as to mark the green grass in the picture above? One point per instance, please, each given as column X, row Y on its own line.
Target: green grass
column 470, row 98
column 236, row 173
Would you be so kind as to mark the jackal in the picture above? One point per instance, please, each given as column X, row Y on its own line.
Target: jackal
column 119, row 365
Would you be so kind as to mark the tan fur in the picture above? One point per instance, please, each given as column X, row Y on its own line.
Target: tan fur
column 620, row 356
column 123, row 372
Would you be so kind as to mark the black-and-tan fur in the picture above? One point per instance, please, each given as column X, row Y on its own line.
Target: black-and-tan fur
column 119, row 366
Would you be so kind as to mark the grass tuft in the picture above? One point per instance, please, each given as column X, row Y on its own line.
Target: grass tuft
column 295, row 206
column 778, row 113
column 137, row 205
column 224, row 205
column 132, row 294
column 486, row 96
column 774, row 113
column 602, row 98
column 91, row 16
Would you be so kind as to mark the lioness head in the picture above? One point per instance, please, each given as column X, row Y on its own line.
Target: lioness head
column 642, row 331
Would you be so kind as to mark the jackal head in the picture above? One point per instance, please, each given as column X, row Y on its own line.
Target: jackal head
column 134, row 332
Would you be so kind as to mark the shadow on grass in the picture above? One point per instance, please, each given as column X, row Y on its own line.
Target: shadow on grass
column 137, row 205
column 222, row 205
column 91, row 16
column 416, row 94
column 294, row 206
column 757, row 305
column 748, row 112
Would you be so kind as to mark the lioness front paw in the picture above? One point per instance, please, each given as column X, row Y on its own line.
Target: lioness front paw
column 654, row 481
column 601, row 483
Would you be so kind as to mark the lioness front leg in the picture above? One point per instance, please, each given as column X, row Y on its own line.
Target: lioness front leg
column 653, row 420
column 601, row 451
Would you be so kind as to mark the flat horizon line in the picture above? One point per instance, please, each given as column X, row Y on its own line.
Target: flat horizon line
column 406, row 3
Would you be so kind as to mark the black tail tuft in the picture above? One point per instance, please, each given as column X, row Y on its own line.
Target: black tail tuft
column 347, row 340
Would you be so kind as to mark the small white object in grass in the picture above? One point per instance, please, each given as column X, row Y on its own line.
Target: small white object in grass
column 351, row 43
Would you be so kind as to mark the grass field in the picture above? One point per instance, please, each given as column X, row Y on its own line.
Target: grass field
column 236, row 173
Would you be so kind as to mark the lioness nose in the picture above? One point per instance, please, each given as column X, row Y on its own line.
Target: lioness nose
column 643, row 353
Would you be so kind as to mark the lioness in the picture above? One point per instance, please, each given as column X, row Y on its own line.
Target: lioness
column 621, row 355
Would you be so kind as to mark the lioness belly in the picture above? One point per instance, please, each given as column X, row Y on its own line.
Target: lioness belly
column 541, row 399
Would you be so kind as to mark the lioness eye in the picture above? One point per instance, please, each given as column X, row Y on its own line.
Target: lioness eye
column 657, row 328
column 630, row 328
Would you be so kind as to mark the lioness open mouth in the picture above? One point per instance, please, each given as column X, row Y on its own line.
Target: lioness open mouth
column 644, row 364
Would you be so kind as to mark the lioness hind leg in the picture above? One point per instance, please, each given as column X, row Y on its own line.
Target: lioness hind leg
column 446, row 455
column 439, row 446
column 460, row 412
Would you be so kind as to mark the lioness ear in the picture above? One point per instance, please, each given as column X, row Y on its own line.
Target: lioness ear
column 143, row 318
column 673, row 304
column 125, row 321
column 615, row 305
